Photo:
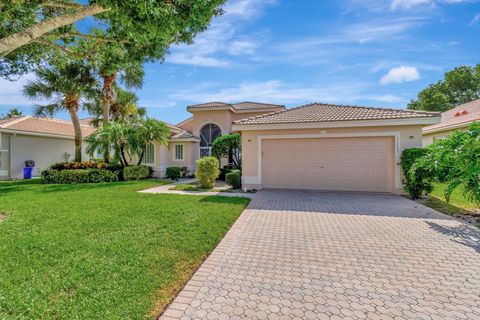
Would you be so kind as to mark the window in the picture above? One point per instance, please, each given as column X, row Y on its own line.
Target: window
column 178, row 152
column 149, row 155
column 208, row 134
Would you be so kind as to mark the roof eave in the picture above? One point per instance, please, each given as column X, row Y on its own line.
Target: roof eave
column 37, row 134
column 337, row 124
column 426, row 130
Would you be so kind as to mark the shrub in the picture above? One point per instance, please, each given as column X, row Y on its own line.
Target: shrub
column 207, row 171
column 229, row 146
column 78, row 176
column 137, row 172
column 184, row 171
column 173, row 173
column 115, row 168
column 416, row 177
column 234, row 179
column 223, row 172
column 78, row 165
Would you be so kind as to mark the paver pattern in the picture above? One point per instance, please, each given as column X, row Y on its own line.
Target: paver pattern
column 319, row 255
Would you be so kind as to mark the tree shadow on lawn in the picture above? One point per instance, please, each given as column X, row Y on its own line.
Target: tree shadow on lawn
column 461, row 233
column 24, row 185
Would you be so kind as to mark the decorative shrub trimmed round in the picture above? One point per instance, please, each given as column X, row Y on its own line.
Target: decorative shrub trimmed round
column 207, row 171
column 234, row 179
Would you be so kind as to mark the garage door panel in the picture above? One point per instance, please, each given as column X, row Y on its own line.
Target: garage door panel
column 350, row 164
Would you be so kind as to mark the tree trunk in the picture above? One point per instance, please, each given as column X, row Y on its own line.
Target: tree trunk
column 107, row 92
column 122, row 152
column 72, row 106
column 14, row 41
column 140, row 159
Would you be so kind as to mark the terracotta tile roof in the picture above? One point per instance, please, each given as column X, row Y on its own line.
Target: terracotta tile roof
column 246, row 105
column 459, row 116
column 210, row 104
column 50, row 126
column 183, row 135
column 317, row 112
column 255, row 105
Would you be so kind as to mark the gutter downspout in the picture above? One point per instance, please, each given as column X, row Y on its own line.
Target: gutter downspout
column 11, row 157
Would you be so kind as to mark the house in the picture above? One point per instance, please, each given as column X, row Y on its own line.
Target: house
column 47, row 141
column 458, row 118
column 329, row 147
column 44, row 140
column 316, row 146
column 193, row 137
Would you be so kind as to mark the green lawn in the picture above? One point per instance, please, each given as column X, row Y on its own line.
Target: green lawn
column 458, row 204
column 102, row 251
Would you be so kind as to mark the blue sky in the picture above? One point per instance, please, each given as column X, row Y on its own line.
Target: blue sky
column 365, row 52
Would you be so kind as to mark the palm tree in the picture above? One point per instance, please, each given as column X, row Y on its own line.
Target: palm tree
column 13, row 112
column 65, row 85
column 123, row 107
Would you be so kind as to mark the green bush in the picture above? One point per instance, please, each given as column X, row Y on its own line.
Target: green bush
column 417, row 176
column 184, row 171
column 223, row 172
column 137, row 172
column 207, row 171
column 234, row 179
column 115, row 168
column 91, row 164
column 78, row 176
column 173, row 173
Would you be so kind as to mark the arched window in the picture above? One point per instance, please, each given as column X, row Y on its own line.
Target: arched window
column 149, row 156
column 208, row 134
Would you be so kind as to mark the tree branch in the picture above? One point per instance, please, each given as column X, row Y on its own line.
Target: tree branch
column 88, row 36
column 64, row 5
column 19, row 39
column 56, row 46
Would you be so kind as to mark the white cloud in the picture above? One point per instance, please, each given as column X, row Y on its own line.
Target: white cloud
column 400, row 74
column 408, row 4
column 11, row 91
column 221, row 38
column 475, row 19
column 242, row 47
column 276, row 91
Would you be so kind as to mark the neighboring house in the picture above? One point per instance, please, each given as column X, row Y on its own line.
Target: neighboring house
column 458, row 118
column 329, row 147
column 44, row 140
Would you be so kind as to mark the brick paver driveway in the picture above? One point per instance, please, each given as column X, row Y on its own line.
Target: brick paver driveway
column 312, row 255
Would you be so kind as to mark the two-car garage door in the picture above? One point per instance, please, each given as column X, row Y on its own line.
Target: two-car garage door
column 345, row 164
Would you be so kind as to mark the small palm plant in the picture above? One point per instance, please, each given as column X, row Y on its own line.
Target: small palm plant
column 65, row 85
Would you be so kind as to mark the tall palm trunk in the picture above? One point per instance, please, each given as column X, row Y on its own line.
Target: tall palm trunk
column 107, row 92
column 72, row 104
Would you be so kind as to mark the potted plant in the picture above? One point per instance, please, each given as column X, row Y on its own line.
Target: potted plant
column 28, row 169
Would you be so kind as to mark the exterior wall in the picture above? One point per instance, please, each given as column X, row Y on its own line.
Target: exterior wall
column 45, row 151
column 4, row 156
column 222, row 118
column 407, row 137
column 429, row 138
column 164, row 157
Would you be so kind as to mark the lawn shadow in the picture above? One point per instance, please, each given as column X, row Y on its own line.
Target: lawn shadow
column 461, row 233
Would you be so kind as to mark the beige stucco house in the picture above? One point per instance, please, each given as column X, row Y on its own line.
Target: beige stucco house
column 46, row 141
column 329, row 147
column 458, row 118
column 316, row 146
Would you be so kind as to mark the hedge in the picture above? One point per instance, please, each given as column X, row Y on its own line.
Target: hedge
column 173, row 173
column 78, row 176
column 416, row 174
column 137, row 172
column 78, row 165
column 234, row 179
